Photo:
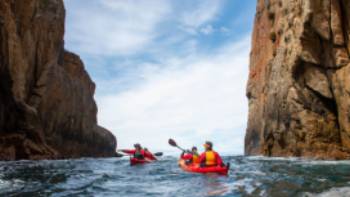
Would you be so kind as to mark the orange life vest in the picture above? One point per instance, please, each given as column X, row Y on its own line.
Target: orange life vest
column 195, row 158
column 210, row 158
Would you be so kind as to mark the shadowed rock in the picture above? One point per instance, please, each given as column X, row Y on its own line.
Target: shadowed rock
column 46, row 96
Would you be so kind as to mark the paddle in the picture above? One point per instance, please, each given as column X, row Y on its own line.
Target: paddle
column 173, row 143
column 118, row 154
column 122, row 154
column 158, row 154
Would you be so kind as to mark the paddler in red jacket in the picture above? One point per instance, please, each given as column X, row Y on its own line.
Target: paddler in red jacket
column 210, row 157
column 191, row 157
column 140, row 153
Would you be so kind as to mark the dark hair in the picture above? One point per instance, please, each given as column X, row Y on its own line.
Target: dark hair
column 137, row 145
column 210, row 144
column 194, row 148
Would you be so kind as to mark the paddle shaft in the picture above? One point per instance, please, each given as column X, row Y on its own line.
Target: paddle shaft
column 174, row 144
column 122, row 154
column 180, row 148
column 158, row 154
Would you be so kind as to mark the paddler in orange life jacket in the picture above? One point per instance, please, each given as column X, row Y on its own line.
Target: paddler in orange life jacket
column 140, row 153
column 210, row 157
column 191, row 156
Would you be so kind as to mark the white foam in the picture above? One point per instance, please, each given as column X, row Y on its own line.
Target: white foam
column 248, row 184
column 325, row 162
column 11, row 184
column 264, row 158
column 299, row 160
column 339, row 192
column 4, row 184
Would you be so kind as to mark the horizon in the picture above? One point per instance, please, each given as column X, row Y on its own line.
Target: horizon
column 167, row 69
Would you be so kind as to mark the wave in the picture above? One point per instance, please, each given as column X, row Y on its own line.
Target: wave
column 299, row 160
column 264, row 158
column 339, row 192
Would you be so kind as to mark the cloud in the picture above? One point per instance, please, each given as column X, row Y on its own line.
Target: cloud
column 128, row 27
column 192, row 99
column 113, row 27
column 207, row 30
column 201, row 13
column 224, row 30
column 157, row 76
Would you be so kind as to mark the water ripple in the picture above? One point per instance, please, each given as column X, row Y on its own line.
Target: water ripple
column 249, row 176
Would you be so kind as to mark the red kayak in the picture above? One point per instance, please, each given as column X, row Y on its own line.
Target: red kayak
column 221, row 170
column 135, row 161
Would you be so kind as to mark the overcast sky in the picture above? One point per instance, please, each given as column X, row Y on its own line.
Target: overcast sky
column 166, row 68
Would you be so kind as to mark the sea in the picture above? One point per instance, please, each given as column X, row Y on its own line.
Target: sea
column 248, row 176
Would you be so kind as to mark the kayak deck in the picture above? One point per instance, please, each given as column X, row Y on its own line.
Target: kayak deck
column 221, row 170
column 135, row 161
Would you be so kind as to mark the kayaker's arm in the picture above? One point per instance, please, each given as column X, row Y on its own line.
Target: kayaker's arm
column 185, row 152
column 130, row 152
column 186, row 157
column 182, row 154
column 218, row 159
column 202, row 159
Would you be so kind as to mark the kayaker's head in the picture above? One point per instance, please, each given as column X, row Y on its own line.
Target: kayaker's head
column 208, row 145
column 194, row 150
column 137, row 146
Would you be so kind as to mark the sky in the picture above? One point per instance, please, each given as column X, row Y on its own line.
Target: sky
column 166, row 68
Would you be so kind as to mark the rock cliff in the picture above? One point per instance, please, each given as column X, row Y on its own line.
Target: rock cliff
column 46, row 96
column 299, row 81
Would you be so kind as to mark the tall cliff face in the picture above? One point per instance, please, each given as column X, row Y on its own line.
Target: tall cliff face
column 46, row 96
column 299, row 82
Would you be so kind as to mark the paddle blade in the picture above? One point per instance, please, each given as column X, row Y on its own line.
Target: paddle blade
column 172, row 142
column 116, row 154
column 158, row 154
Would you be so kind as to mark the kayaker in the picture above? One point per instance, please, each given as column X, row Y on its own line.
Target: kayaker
column 191, row 156
column 210, row 157
column 139, row 152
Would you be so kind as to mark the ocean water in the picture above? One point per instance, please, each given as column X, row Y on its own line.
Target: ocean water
column 249, row 176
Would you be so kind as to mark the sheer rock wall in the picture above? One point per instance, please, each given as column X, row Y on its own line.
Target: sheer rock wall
column 299, row 81
column 46, row 96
